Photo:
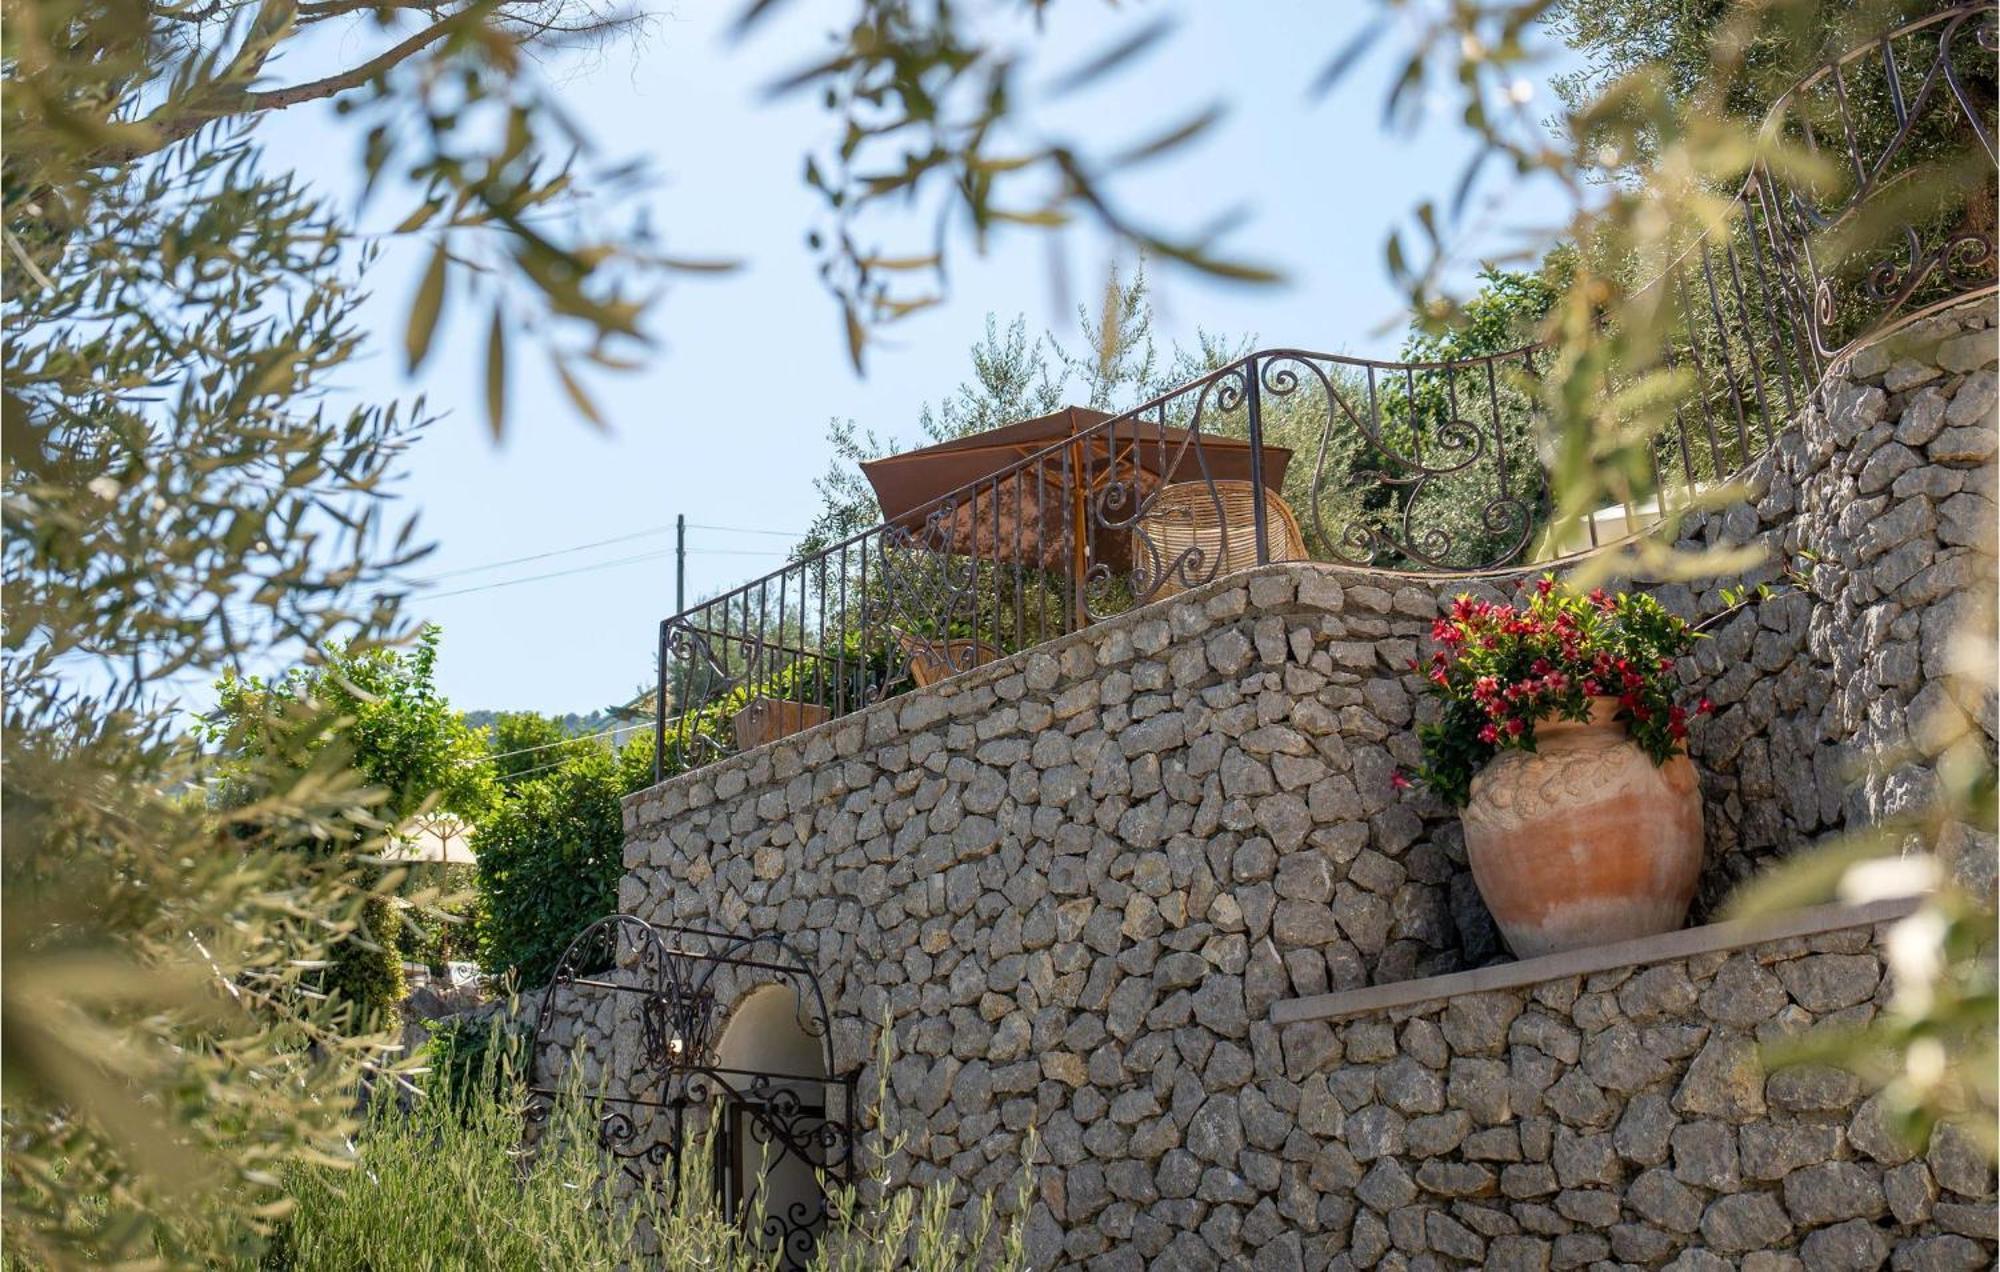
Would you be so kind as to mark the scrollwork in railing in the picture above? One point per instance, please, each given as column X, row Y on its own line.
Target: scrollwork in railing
column 643, row 1159
column 781, row 1118
column 1439, row 489
column 795, row 1233
column 1937, row 133
column 1164, row 443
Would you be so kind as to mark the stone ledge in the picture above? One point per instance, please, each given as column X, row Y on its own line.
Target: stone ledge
column 1713, row 938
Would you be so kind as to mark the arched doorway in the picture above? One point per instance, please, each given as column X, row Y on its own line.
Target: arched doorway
column 774, row 1113
column 787, row 1119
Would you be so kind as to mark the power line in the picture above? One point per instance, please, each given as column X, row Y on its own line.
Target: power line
column 585, row 569
column 539, row 768
column 600, row 543
column 553, row 574
column 782, row 534
column 545, row 746
column 542, row 556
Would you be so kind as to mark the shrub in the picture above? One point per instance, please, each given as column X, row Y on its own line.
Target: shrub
column 471, row 1059
column 1499, row 669
column 446, row 1184
column 439, row 923
column 549, row 863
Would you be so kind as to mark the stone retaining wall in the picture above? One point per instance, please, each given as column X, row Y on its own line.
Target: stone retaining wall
column 1625, row 1115
column 1836, row 699
column 1079, row 879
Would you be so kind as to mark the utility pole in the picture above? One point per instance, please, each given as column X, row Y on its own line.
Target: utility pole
column 680, row 561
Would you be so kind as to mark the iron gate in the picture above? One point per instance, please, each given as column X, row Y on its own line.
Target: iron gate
column 659, row 1078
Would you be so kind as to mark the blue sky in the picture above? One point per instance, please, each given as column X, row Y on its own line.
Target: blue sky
column 727, row 422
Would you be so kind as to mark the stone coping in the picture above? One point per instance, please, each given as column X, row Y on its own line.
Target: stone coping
column 1666, row 947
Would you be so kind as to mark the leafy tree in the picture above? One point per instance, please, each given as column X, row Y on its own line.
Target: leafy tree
column 1675, row 44
column 1120, row 365
column 175, row 492
column 378, row 713
column 104, row 89
column 523, row 743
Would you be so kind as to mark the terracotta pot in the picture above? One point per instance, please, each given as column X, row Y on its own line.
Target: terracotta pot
column 1584, row 841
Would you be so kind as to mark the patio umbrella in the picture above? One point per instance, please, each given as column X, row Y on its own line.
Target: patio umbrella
column 1064, row 509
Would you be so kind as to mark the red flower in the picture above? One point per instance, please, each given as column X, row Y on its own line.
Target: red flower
column 1706, row 708
column 1547, row 585
column 1592, row 689
column 1515, row 727
column 1599, row 599
column 1415, row 665
column 1666, row 664
column 1399, row 780
column 1489, row 735
column 1677, row 730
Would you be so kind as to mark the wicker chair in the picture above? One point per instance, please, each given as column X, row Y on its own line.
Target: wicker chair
column 1184, row 516
column 932, row 661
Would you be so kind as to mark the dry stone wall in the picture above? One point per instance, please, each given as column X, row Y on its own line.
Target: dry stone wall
column 1077, row 880
column 1622, row 1118
column 1835, row 698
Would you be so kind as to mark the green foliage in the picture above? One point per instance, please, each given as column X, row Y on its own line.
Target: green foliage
column 526, row 742
column 447, row 1185
column 1499, row 670
column 1676, row 43
column 375, row 709
column 377, row 712
column 918, row 95
column 445, row 928
column 471, row 1060
column 550, row 858
column 172, row 473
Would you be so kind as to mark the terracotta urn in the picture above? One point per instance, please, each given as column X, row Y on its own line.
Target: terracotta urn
column 1585, row 840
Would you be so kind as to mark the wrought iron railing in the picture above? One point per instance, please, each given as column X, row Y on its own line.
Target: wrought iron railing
column 1429, row 466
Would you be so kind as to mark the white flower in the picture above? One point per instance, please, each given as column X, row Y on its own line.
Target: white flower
column 1883, row 877
column 1914, row 948
column 105, row 488
column 1925, row 1062
column 1520, row 92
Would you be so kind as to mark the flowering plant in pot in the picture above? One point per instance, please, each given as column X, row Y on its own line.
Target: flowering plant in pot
column 1561, row 738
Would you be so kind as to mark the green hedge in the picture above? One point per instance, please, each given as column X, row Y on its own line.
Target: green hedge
column 550, row 858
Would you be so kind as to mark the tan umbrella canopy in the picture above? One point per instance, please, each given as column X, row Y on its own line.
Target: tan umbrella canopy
column 1062, row 512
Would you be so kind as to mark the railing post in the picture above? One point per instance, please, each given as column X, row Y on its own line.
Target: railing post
column 660, row 707
column 1253, row 404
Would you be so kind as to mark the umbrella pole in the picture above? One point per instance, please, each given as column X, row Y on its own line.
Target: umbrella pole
column 1078, row 564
